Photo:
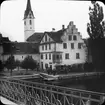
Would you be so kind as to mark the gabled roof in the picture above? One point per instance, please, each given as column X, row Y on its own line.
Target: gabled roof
column 56, row 36
column 28, row 10
column 20, row 48
column 36, row 37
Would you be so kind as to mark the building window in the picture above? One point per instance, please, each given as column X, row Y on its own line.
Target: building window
column 42, row 65
column 79, row 45
column 49, row 39
column 74, row 37
column 49, row 46
column 45, row 38
column 77, row 56
column 49, row 56
column 67, row 56
column 72, row 45
column 46, row 56
column 46, row 65
column 46, row 47
column 64, row 45
column 50, row 66
column 30, row 22
column 70, row 37
column 41, row 56
column 57, row 56
column 42, row 47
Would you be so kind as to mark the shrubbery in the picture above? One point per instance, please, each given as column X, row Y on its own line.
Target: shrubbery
column 29, row 63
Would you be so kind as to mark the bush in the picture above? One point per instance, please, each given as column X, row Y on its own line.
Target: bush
column 1, row 66
column 29, row 63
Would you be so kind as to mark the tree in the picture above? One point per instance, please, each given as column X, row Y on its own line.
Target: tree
column 10, row 63
column 1, row 66
column 95, row 28
column 28, row 63
column 17, row 63
column 96, row 41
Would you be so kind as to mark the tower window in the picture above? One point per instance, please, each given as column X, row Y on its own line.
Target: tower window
column 24, row 22
column 46, row 56
column 30, row 22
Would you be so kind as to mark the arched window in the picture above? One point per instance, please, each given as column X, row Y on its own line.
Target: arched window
column 30, row 22
column 24, row 22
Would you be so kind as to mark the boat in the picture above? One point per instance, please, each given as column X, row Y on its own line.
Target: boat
column 48, row 77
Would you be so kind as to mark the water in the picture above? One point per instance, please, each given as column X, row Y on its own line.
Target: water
column 95, row 84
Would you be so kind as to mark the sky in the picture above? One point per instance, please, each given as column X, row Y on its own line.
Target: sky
column 48, row 14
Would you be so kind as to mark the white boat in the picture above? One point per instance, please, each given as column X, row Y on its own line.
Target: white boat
column 48, row 77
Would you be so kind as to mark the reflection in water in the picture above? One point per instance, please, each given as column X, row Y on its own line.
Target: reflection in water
column 95, row 84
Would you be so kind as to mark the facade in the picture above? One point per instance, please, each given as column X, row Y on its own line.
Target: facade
column 20, row 50
column 64, row 47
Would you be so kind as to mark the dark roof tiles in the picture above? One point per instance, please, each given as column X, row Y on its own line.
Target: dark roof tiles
column 28, row 10
column 56, row 36
column 36, row 37
column 20, row 48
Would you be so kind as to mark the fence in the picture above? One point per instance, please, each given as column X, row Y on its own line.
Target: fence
column 29, row 93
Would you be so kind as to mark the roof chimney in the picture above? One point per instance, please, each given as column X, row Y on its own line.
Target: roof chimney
column 63, row 27
column 53, row 29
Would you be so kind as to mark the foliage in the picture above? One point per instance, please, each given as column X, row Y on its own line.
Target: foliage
column 17, row 63
column 28, row 63
column 96, row 27
column 10, row 63
column 1, row 66
column 88, row 67
column 96, row 42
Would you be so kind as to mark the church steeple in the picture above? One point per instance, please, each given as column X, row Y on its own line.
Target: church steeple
column 28, row 21
column 28, row 10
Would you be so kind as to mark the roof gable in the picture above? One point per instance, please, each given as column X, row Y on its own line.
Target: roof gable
column 46, row 38
column 55, row 36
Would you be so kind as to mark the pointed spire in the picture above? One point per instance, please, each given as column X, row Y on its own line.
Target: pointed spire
column 28, row 9
column 28, row 6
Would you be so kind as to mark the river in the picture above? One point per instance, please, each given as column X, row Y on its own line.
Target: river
column 95, row 84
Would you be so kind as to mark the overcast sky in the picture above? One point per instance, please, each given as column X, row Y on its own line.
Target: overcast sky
column 48, row 14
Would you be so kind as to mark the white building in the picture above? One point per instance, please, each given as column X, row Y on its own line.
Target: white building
column 63, row 47
column 20, row 50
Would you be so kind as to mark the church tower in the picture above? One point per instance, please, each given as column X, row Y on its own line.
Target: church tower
column 28, row 21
